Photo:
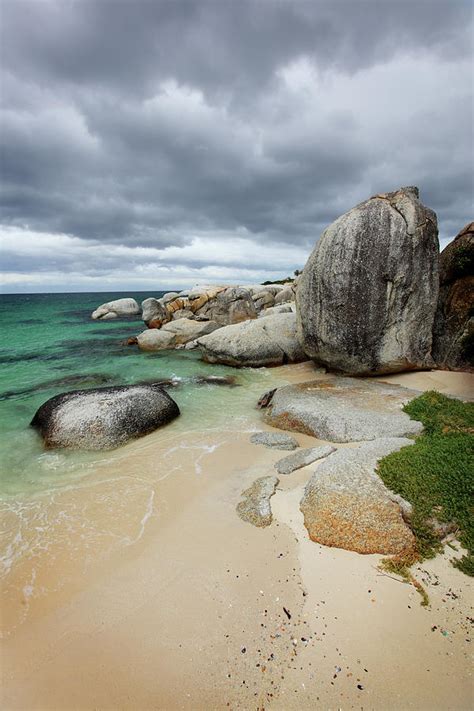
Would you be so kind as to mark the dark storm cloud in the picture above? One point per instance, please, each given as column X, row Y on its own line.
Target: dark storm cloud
column 148, row 124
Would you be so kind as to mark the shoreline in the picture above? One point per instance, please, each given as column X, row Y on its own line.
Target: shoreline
column 187, row 592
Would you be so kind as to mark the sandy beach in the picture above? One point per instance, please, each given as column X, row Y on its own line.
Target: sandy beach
column 163, row 598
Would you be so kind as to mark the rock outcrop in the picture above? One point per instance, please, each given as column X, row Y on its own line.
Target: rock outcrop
column 347, row 505
column 104, row 418
column 174, row 333
column 367, row 296
column 114, row 309
column 339, row 409
column 263, row 342
column 453, row 333
column 255, row 508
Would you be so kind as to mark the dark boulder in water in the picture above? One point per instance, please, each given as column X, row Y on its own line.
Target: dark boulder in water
column 103, row 418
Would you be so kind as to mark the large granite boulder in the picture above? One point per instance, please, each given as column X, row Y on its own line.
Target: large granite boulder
column 453, row 332
column 340, row 409
column 114, row 309
column 174, row 333
column 347, row 505
column 267, row 341
column 103, row 418
column 367, row 296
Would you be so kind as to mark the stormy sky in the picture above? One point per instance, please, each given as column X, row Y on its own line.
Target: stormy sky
column 159, row 144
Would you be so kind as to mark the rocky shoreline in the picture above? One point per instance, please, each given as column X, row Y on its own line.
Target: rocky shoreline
column 368, row 303
column 374, row 297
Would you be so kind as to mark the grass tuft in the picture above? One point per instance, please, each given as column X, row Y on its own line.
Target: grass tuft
column 436, row 475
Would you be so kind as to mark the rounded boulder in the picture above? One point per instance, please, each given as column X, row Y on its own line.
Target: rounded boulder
column 103, row 418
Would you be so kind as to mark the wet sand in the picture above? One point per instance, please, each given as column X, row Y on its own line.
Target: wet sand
column 153, row 594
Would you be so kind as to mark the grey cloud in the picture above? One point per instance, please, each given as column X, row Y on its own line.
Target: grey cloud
column 218, row 44
column 142, row 123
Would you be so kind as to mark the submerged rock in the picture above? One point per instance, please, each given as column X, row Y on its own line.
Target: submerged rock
column 86, row 380
column 302, row 458
column 103, row 418
column 341, row 409
column 367, row 296
column 347, row 505
column 453, row 333
column 114, row 309
column 255, row 508
column 229, row 380
column 267, row 341
column 274, row 440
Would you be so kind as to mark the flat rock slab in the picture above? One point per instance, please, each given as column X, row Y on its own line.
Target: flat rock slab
column 255, row 508
column 274, row 440
column 341, row 409
column 302, row 458
column 347, row 505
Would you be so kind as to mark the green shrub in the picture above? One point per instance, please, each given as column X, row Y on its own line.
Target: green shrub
column 436, row 474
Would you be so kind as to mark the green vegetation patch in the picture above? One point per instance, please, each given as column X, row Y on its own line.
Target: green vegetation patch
column 436, row 474
column 463, row 261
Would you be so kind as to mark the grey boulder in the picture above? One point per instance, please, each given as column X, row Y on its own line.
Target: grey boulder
column 267, row 341
column 103, row 418
column 114, row 309
column 367, row 296
column 174, row 333
column 347, row 505
column 285, row 295
column 341, row 409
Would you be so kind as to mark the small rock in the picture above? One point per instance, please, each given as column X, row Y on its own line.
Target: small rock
column 274, row 440
column 302, row 458
column 255, row 508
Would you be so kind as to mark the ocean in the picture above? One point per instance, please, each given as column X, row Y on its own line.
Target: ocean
column 51, row 345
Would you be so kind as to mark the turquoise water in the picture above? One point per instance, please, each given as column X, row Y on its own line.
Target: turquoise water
column 51, row 345
column 62, row 513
